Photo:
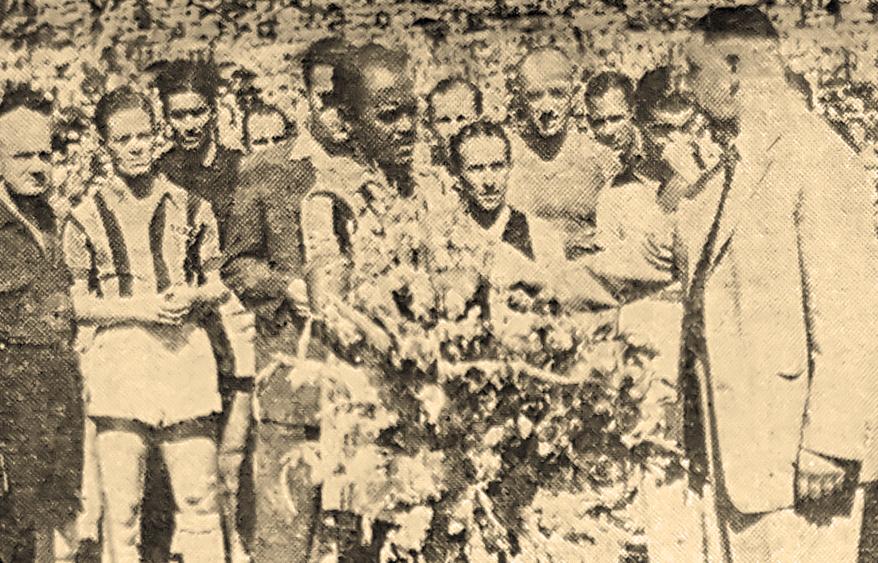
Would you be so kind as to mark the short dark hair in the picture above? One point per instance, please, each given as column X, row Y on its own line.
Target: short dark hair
column 736, row 21
column 187, row 76
column 602, row 83
column 481, row 128
column 123, row 97
column 447, row 84
column 23, row 96
column 328, row 51
column 259, row 107
column 349, row 82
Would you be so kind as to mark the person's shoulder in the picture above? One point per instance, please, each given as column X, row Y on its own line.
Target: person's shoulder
column 276, row 154
column 171, row 160
column 182, row 198
column 272, row 170
column 818, row 153
column 229, row 153
column 84, row 213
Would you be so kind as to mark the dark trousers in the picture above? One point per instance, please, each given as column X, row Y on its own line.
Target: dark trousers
column 41, row 434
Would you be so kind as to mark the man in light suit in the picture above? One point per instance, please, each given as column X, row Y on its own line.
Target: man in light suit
column 776, row 251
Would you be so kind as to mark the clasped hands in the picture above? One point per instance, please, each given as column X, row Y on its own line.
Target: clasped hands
column 175, row 305
column 818, row 476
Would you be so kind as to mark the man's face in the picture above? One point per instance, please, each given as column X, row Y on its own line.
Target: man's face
column 130, row 141
column 667, row 123
column 190, row 116
column 610, row 117
column 327, row 122
column 485, row 171
column 388, row 117
column 714, row 77
column 25, row 159
column 547, row 87
column 451, row 111
column 265, row 129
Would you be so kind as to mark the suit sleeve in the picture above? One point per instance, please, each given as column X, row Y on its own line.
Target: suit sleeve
column 838, row 254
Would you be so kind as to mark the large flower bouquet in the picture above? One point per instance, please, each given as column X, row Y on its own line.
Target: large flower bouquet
column 495, row 426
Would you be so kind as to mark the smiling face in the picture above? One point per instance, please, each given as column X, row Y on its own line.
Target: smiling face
column 191, row 117
column 130, row 140
column 387, row 117
column 484, row 169
column 611, row 119
column 546, row 82
column 25, row 160
column 451, row 111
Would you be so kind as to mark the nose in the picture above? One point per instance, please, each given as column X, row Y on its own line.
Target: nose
column 406, row 124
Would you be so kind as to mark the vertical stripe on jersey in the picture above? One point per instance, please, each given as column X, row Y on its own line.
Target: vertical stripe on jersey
column 156, row 244
column 118, row 249
column 192, row 265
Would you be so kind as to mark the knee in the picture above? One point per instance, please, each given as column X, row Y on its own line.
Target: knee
column 230, row 469
column 199, row 498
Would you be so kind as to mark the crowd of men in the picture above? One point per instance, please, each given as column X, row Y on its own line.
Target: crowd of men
column 709, row 197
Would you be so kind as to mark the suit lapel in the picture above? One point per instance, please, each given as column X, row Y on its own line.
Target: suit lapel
column 12, row 210
column 699, row 216
column 748, row 176
column 696, row 216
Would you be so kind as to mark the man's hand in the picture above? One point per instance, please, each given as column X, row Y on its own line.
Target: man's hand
column 156, row 309
column 376, row 337
column 817, row 476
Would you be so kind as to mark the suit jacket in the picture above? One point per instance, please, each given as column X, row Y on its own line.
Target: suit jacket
column 35, row 306
column 788, row 262
column 264, row 247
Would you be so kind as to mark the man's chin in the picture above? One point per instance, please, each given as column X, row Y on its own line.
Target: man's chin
column 189, row 144
column 30, row 190
column 490, row 204
column 549, row 131
column 134, row 172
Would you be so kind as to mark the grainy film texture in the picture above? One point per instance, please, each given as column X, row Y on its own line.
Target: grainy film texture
column 438, row 281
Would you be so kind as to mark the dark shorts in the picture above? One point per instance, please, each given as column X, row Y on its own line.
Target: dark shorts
column 41, row 433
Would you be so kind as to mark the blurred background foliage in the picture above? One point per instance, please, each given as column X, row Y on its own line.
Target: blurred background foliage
column 78, row 49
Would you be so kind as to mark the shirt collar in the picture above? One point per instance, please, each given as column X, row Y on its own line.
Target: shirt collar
column 496, row 230
column 307, row 147
column 162, row 188
column 210, row 156
column 16, row 215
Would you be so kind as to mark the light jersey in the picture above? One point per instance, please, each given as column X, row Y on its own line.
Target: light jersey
column 563, row 190
column 126, row 247
column 627, row 215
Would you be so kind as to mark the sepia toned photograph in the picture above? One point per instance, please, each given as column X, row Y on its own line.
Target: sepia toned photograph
column 438, row 281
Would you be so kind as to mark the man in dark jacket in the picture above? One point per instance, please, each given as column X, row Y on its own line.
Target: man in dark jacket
column 41, row 422
column 202, row 166
column 265, row 267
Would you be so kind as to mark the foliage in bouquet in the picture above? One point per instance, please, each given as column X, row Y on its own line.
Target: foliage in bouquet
column 517, row 400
